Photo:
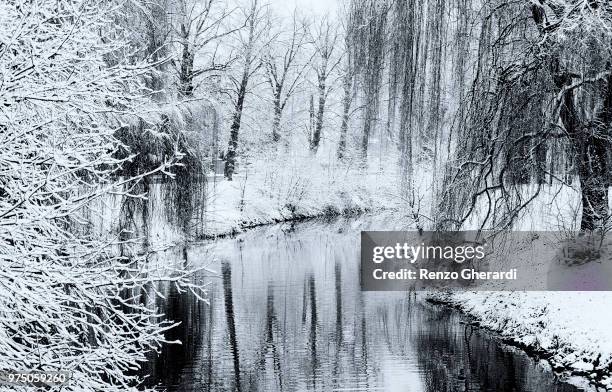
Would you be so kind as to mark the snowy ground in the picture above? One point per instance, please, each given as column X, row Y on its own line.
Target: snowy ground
column 300, row 187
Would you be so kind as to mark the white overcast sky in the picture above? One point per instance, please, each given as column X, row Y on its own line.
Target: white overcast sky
column 320, row 7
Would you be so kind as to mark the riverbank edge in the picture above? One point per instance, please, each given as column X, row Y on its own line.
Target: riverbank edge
column 327, row 213
column 594, row 378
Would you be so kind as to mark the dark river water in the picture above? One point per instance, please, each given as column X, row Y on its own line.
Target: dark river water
column 286, row 314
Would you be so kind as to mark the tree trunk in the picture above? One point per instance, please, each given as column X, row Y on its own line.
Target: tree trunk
column 589, row 141
column 590, row 145
column 186, row 78
column 230, row 159
column 540, row 163
column 365, row 137
column 346, row 107
column 593, row 166
column 316, row 137
column 405, row 130
column 276, row 121
column 186, row 73
column 593, row 184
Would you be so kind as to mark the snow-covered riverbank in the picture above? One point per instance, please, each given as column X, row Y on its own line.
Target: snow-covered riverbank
column 259, row 194
column 299, row 189
column 569, row 329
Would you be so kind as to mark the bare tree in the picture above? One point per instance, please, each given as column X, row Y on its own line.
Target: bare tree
column 200, row 26
column 324, row 38
column 284, row 69
column 256, row 28
column 348, row 85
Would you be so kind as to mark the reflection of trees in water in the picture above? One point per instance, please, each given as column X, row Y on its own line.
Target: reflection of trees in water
column 323, row 358
column 270, row 342
column 185, row 309
column 395, row 318
column 363, row 365
column 452, row 362
column 226, row 272
column 339, row 325
column 284, row 322
column 338, row 291
column 440, row 358
column 312, row 336
column 451, row 357
column 456, row 358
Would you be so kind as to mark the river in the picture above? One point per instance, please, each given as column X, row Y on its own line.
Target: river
column 286, row 313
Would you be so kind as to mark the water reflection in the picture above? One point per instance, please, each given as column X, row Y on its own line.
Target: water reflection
column 287, row 314
column 226, row 273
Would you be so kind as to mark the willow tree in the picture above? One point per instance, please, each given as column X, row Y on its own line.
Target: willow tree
column 576, row 49
column 411, row 58
column 543, row 75
column 406, row 40
column 369, row 18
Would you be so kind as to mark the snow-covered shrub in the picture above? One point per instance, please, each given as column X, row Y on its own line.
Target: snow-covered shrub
column 66, row 303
